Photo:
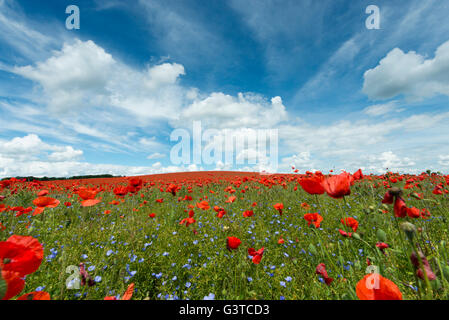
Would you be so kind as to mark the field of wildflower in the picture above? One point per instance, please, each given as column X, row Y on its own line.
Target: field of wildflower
column 226, row 235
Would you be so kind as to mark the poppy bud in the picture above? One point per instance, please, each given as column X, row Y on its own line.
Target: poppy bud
column 381, row 235
column 395, row 192
column 426, row 266
column 409, row 229
column 415, row 195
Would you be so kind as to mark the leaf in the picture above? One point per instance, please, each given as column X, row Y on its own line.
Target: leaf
column 381, row 235
column 446, row 272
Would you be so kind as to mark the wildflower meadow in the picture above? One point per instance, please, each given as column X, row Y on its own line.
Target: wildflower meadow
column 226, row 236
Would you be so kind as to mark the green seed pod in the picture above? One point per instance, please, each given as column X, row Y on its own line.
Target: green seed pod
column 395, row 191
column 409, row 229
column 415, row 195
column 381, row 235
column 312, row 249
column 355, row 235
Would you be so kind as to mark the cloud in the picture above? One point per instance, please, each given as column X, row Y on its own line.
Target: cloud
column 381, row 109
column 444, row 161
column 82, row 75
column 31, row 147
column 156, row 155
column 29, row 156
column 25, row 39
column 409, row 74
column 68, row 154
column 164, row 74
column 301, row 161
column 388, row 161
column 221, row 111
column 74, row 77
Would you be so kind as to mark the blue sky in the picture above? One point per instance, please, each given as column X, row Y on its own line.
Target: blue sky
column 105, row 98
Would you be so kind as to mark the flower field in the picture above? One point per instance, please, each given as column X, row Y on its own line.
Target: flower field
column 226, row 235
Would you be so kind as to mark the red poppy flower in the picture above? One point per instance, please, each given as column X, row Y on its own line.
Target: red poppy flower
column 12, row 284
column 358, row 175
column 21, row 254
column 204, row 205
column 413, row 212
column 321, row 270
column 314, row 218
column 42, row 193
column 338, row 186
column 121, row 191
column 345, row 234
column 350, row 222
column 382, row 246
column 257, row 255
column 128, row 293
column 36, row 295
column 279, row 207
column 88, row 197
column 426, row 266
column 152, row 215
column 135, row 184
column 388, row 198
column 231, row 199
column 85, row 276
column 21, row 210
column 172, row 188
column 126, row 296
column 221, row 213
column 232, row 243
column 248, row 213
column 44, row 202
column 187, row 221
column 376, row 287
column 305, row 205
column 312, row 185
column 400, row 209
column 437, row 190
